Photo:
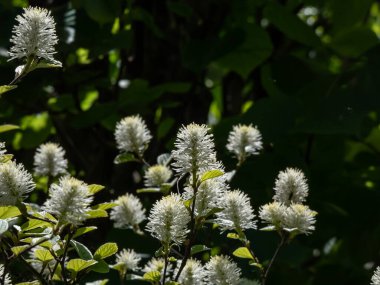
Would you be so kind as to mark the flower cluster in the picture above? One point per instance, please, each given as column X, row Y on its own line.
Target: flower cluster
column 69, row 200
column 34, row 35
column 375, row 280
column 244, row 141
column 128, row 259
column 156, row 175
column 287, row 211
column 222, row 270
column 193, row 273
column 132, row 135
column 15, row 183
column 168, row 220
column 194, row 150
column 49, row 160
column 128, row 213
column 237, row 213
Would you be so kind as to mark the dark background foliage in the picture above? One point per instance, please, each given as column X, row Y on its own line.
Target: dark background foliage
column 306, row 72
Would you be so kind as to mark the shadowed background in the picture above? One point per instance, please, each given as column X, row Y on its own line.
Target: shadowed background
column 307, row 73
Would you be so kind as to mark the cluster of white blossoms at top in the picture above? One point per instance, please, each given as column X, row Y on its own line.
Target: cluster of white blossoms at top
column 132, row 135
column 194, row 150
column 209, row 195
column 15, row 183
column 49, row 160
column 291, row 187
column 237, row 213
column 192, row 274
column 244, row 141
column 156, row 264
column 222, row 270
column 34, row 35
column 128, row 259
column 156, row 175
column 69, row 200
column 375, row 280
column 168, row 220
column 128, row 213
column 287, row 211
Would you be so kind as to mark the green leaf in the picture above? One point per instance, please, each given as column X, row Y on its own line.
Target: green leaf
column 7, row 212
column 82, row 250
column 94, row 214
column 354, row 42
column 84, row 230
column 253, row 51
column 268, row 229
column 124, row 157
column 293, row 27
column 106, row 250
column 46, row 64
column 233, row 236
column 198, row 248
column 95, row 188
column 3, row 226
column 5, row 158
column 19, row 249
column 211, row 174
column 165, row 188
column 164, row 159
column 255, row 264
column 100, row 267
column 76, row 265
column 243, row 252
column 6, row 88
column 153, row 276
column 172, row 283
column 44, row 255
column 104, row 206
column 7, row 128
column 148, row 190
column 33, row 224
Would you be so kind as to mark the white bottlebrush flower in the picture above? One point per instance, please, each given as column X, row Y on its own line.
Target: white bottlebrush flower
column 7, row 279
column 192, row 274
column 69, row 200
column 209, row 195
column 128, row 213
column 376, row 277
column 168, row 220
column 291, row 187
column 237, row 212
column 274, row 214
column 15, row 183
column 299, row 218
column 194, row 149
column 221, row 270
column 34, row 35
column 132, row 135
column 156, row 175
column 49, row 160
column 156, row 264
column 244, row 141
column 128, row 259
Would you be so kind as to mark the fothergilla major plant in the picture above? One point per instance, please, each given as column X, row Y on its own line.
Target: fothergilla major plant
column 190, row 185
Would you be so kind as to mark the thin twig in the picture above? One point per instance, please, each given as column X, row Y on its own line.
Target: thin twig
column 279, row 246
